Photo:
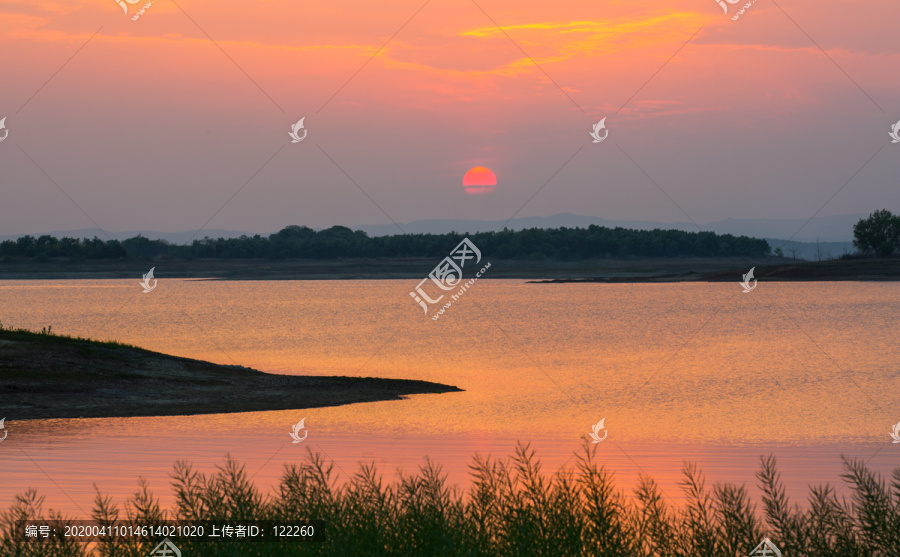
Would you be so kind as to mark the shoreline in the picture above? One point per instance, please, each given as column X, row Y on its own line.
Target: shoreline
column 45, row 376
column 632, row 270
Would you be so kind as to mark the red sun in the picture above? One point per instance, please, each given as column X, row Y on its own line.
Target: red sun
column 479, row 181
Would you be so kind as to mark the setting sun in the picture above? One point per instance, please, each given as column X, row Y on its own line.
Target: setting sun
column 479, row 181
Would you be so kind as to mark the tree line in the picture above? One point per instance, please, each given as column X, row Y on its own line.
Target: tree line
column 301, row 242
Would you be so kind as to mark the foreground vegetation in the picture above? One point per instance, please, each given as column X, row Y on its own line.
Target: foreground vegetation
column 511, row 508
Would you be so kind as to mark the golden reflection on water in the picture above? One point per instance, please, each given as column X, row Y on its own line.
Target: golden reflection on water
column 676, row 370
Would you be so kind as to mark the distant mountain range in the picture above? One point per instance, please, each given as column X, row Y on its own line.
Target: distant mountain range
column 821, row 238
column 838, row 228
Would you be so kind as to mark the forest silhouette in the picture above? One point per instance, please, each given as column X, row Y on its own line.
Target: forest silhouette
column 300, row 242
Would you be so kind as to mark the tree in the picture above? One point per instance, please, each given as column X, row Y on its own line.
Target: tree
column 879, row 234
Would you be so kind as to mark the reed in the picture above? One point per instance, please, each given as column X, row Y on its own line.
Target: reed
column 511, row 508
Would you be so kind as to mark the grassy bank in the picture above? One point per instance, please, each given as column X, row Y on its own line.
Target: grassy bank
column 43, row 375
column 510, row 508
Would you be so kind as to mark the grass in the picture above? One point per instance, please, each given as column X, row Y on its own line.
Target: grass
column 511, row 508
column 46, row 332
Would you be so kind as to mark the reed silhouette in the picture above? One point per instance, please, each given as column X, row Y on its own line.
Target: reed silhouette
column 510, row 508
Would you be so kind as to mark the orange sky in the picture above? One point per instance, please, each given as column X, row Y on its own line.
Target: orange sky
column 746, row 109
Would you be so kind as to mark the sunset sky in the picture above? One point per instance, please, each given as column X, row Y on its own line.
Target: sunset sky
column 152, row 125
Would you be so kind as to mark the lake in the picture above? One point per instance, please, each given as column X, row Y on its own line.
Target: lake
column 684, row 371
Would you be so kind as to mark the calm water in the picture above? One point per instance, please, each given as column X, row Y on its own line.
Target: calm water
column 808, row 371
